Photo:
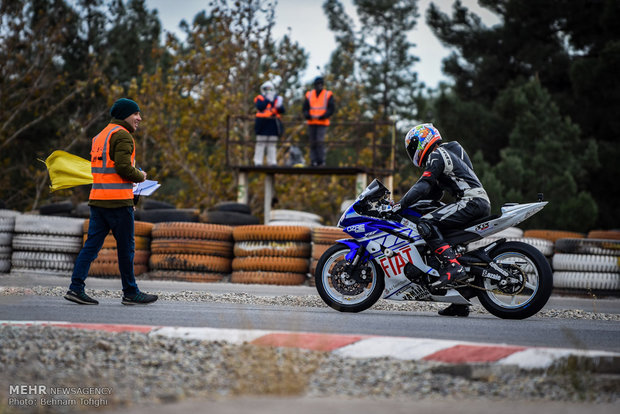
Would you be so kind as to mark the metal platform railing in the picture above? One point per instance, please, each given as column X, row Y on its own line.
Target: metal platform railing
column 352, row 148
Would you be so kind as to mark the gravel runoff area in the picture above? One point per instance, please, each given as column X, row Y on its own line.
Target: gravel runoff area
column 82, row 370
column 98, row 369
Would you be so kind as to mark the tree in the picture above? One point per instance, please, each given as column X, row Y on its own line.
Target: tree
column 569, row 47
column 377, row 55
column 58, row 81
column 342, row 62
column 34, row 90
column 215, row 73
column 385, row 62
column 133, row 41
column 545, row 154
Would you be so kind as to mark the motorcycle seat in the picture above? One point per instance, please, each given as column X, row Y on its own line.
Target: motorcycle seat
column 457, row 236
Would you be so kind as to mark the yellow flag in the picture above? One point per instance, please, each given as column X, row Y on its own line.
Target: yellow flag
column 67, row 170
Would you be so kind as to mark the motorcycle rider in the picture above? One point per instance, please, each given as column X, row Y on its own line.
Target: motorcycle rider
column 446, row 167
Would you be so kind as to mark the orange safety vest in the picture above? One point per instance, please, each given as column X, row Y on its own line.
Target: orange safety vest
column 269, row 112
column 318, row 106
column 107, row 184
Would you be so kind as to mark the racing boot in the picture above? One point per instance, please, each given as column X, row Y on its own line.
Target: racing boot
column 451, row 270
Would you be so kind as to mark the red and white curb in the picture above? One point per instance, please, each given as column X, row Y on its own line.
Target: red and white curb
column 363, row 346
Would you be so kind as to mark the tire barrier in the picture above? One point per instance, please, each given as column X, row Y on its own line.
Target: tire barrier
column 552, row 235
column 106, row 263
column 229, row 213
column 192, row 246
column 62, row 208
column 232, row 206
column 604, row 234
column 587, row 263
column 164, row 215
column 272, row 248
column 294, row 218
column 151, row 204
column 46, row 245
column 272, row 254
column 597, row 281
column 588, row 246
column 7, row 227
column 82, row 210
column 322, row 239
column 192, row 252
column 271, row 233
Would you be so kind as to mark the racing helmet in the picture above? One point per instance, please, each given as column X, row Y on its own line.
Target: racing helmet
column 419, row 141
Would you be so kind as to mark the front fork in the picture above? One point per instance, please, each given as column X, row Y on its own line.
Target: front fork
column 357, row 255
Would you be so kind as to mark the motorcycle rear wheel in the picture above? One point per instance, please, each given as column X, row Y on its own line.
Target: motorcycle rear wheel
column 339, row 290
column 537, row 285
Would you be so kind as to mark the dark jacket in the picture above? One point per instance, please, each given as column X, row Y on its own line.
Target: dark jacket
column 268, row 126
column 121, row 148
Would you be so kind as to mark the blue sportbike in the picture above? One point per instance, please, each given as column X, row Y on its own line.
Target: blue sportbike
column 386, row 257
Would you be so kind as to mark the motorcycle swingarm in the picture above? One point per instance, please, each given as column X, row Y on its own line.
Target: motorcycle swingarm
column 481, row 264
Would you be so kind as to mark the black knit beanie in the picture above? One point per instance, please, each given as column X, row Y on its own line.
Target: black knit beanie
column 124, row 107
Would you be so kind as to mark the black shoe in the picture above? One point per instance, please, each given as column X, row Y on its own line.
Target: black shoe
column 139, row 299
column 455, row 310
column 80, row 297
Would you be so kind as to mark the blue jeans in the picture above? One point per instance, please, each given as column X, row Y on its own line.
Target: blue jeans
column 102, row 220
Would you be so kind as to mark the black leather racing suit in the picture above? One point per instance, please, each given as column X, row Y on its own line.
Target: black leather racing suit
column 448, row 168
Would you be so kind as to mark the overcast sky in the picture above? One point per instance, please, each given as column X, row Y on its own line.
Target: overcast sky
column 308, row 25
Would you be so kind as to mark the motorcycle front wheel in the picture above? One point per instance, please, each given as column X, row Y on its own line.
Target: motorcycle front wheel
column 524, row 298
column 339, row 289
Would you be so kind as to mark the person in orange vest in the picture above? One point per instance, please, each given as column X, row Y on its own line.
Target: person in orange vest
column 317, row 108
column 267, row 126
column 111, row 201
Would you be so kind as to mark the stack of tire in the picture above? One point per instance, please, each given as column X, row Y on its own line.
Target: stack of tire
column 154, row 211
column 229, row 213
column 588, row 264
column 551, row 236
column 106, row 263
column 544, row 245
column 322, row 239
column 7, row 226
column 45, row 245
column 294, row 218
column 194, row 252
column 61, row 208
column 271, row 254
